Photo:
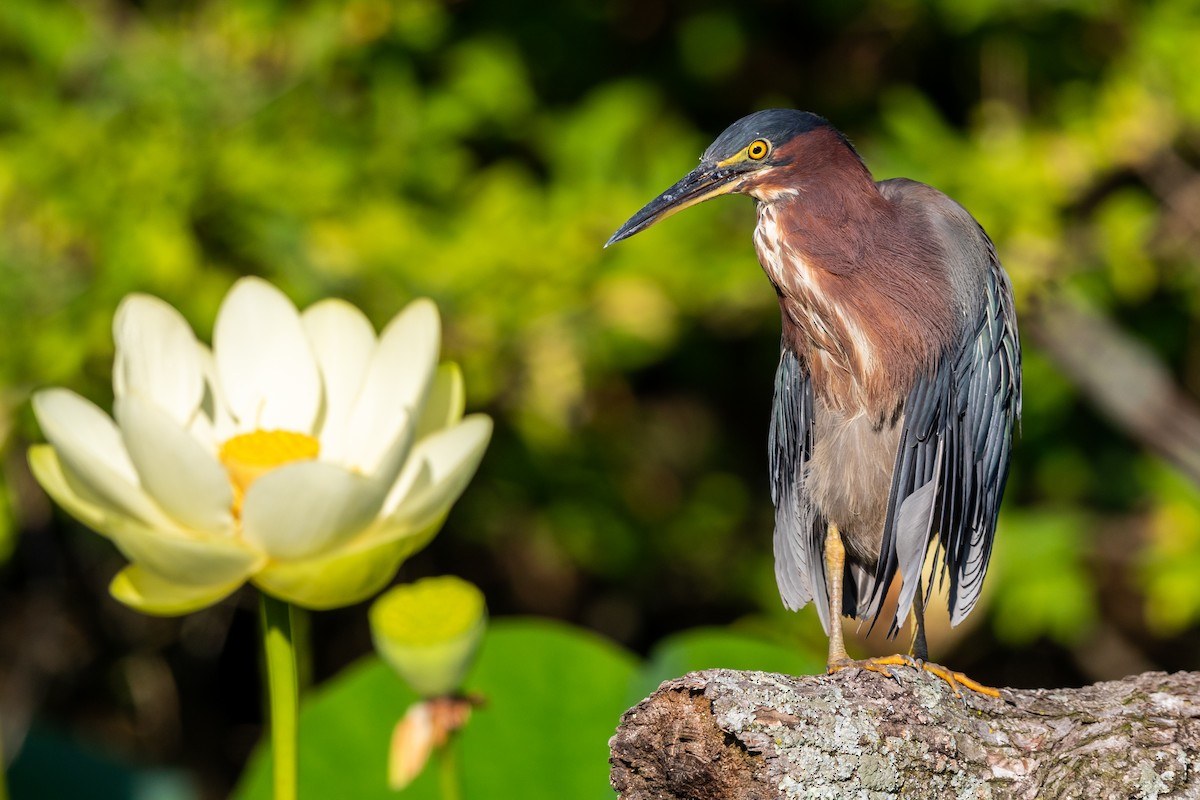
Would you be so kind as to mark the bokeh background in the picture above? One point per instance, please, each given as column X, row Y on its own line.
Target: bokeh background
column 480, row 153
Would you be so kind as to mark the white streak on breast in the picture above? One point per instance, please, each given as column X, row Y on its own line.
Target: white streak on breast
column 861, row 343
column 788, row 270
column 783, row 266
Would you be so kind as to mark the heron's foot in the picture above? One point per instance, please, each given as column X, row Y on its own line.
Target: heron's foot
column 883, row 665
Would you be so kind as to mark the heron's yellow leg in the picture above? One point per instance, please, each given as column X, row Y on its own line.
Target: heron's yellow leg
column 835, row 563
column 835, row 557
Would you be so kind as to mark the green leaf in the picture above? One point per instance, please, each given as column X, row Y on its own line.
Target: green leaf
column 345, row 730
column 553, row 697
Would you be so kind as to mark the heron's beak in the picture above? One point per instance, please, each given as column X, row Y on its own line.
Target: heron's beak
column 707, row 180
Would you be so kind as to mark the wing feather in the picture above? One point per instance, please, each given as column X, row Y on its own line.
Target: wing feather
column 955, row 447
column 799, row 532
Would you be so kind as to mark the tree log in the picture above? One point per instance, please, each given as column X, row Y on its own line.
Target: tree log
column 856, row 734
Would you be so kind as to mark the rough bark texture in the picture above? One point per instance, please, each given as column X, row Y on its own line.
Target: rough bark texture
column 855, row 734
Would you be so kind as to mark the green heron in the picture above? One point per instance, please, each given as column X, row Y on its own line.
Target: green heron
column 899, row 379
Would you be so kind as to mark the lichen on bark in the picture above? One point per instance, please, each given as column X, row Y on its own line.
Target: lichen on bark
column 759, row 736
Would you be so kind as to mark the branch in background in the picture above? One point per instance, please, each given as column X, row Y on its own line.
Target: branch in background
column 727, row 734
column 1124, row 379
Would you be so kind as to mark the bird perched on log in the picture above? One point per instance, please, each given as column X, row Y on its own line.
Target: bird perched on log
column 899, row 379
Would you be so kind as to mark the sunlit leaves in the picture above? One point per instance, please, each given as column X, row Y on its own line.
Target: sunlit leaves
column 1171, row 561
column 1042, row 585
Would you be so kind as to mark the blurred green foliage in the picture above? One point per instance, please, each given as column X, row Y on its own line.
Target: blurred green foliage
column 482, row 153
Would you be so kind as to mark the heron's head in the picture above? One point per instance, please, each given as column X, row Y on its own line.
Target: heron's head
column 761, row 155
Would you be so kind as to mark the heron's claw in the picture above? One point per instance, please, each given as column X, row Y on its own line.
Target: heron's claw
column 884, row 666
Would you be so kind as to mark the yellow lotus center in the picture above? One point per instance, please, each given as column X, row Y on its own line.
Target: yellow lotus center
column 249, row 456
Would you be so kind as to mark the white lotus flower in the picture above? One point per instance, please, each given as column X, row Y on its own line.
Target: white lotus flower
column 301, row 453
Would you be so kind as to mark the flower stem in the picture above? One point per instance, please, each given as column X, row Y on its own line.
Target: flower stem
column 448, row 778
column 282, row 693
column 302, row 642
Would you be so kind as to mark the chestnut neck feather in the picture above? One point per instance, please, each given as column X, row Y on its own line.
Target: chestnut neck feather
column 862, row 283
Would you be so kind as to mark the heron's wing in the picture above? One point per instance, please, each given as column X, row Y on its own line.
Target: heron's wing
column 799, row 532
column 953, row 457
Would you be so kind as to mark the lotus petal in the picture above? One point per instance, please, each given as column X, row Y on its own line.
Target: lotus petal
column 148, row 593
column 190, row 558
column 338, row 579
column 445, row 402
column 397, row 379
column 265, row 364
column 303, row 510
column 182, row 475
column 447, row 461
column 93, row 456
column 343, row 341
column 157, row 357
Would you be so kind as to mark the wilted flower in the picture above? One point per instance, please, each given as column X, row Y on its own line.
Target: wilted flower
column 425, row 728
column 301, row 453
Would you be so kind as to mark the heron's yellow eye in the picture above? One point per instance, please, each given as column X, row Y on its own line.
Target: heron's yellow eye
column 758, row 149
